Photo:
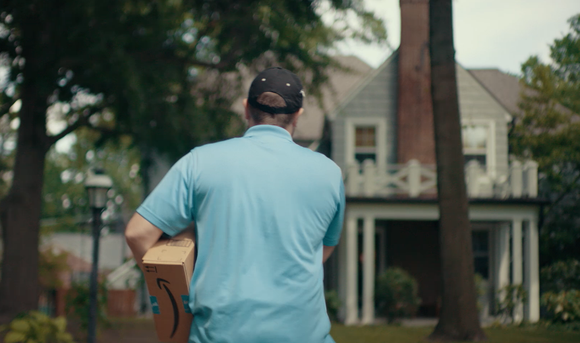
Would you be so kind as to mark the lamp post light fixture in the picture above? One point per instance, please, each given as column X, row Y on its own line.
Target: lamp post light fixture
column 97, row 185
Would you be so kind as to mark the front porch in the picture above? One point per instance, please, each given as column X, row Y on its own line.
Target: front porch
column 407, row 227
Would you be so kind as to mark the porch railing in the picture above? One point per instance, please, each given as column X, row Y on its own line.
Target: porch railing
column 414, row 180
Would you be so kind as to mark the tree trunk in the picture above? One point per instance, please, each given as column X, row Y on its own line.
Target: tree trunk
column 21, row 216
column 459, row 318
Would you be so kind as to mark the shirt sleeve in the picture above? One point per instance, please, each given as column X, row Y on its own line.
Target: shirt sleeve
column 332, row 235
column 170, row 206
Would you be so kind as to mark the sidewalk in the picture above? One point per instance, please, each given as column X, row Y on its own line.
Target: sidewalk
column 124, row 331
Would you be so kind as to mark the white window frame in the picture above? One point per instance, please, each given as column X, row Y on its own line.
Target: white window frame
column 380, row 125
column 490, row 154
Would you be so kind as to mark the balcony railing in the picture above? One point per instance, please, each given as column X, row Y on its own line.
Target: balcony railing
column 414, row 180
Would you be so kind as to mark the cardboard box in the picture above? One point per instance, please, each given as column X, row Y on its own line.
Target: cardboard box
column 168, row 269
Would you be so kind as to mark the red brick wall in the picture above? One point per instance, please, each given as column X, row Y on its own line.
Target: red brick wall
column 121, row 303
column 415, row 113
column 60, row 302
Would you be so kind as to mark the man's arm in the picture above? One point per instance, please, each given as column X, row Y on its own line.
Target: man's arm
column 326, row 252
column 141, row 235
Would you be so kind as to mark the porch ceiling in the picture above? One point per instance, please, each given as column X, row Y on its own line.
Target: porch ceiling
column 427, row 209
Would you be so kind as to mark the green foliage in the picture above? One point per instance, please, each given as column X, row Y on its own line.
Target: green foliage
column 481, row 289
column 508, row 299
column 480, row 285
column 166, row 72
column 546, row 131
column 78, row 300
column 560, row 326
column 65, row 204
column 562, row 306
column 332, row 304
column 36, row 327
column 561, row 276
column 396, row 294
column 51, row 264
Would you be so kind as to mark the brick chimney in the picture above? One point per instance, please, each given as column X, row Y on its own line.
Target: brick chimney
column 415, row 113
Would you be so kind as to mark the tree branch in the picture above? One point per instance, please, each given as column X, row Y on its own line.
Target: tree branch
column 77, row 124
column 82, row 121
column 6, row 106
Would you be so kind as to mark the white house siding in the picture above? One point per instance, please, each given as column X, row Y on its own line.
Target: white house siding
column 338, row 139
column 376, row 97
column 113, row 249
column 477, row 104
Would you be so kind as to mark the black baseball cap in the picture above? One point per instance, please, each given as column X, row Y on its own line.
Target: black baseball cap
column 282, row 82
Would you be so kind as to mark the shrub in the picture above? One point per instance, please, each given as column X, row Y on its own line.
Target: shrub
column 78, row 301
column 509, row 297
column 561, row 276
column 563, row 306
column 37, row 327
column 396, row 294
column 50, row 265
column 481, row 288
column 332, row 304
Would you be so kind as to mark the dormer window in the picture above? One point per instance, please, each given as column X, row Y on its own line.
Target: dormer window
column 366, row 139
column 365, row 143
column 475, row 143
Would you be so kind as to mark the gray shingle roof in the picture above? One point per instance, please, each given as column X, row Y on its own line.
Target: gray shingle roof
column 505, row 88
column 341, row 83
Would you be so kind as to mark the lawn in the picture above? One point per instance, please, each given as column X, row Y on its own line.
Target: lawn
column 397, row 334
column 143, row 331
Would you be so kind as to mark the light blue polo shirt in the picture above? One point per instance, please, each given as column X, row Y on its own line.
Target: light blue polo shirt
column 263, row 207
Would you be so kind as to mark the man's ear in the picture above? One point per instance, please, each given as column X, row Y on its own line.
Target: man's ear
column 296, row 116
column 246, row 110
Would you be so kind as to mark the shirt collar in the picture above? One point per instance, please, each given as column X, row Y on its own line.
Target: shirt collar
column 264, row 130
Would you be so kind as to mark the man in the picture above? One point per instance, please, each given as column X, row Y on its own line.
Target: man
column 267, row 213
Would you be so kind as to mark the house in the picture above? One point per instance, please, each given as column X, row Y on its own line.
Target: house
column 377, row 125
column 381, row 135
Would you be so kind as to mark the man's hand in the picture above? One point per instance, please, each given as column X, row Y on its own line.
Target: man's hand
column 326, row 252
column 141, row 235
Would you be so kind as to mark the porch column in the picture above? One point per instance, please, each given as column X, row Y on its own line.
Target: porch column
column 532, row 281
column 502, row 257
column 368, row 311
column 351, row 271
column 517, row 270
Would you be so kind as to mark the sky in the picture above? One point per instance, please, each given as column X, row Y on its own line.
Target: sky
column 488, row 33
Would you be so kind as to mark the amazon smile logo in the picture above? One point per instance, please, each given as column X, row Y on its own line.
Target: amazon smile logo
column 164, row 283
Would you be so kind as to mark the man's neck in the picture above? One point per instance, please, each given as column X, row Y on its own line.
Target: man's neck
column 289, row 128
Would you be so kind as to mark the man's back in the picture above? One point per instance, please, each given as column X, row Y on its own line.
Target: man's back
column 262, row 206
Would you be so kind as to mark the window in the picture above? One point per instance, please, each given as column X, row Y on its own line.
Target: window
column 365, row 143
column 475, row 142
column 480, row 244
column 365, row 139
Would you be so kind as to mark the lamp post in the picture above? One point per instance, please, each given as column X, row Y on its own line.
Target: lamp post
column 97, row 184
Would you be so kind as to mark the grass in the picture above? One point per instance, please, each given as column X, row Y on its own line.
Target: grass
column 398, row 334
column 143, row 331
